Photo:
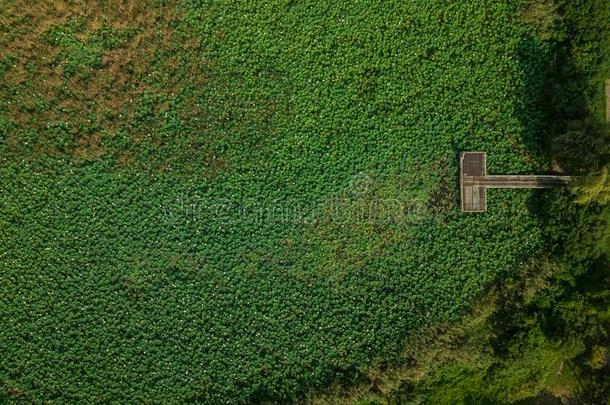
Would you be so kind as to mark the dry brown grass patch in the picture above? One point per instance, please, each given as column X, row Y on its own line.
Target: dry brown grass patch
column 109, row 91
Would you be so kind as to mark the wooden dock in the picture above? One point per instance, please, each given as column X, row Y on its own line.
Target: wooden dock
column 474, row 181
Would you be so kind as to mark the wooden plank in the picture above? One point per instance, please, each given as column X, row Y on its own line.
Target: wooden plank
column 479, row 198
column 475, row 199
column 518, row 181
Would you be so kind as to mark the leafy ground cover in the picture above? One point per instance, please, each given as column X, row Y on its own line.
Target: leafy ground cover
column 539, row 335
column 181, row 187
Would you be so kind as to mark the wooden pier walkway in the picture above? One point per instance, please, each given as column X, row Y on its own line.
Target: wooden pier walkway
column 474, row 181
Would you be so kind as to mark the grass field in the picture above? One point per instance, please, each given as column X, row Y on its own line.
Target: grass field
column 147, row 150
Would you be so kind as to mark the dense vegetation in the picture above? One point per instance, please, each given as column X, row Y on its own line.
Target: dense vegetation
column 183, row 185
column 541, row 335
